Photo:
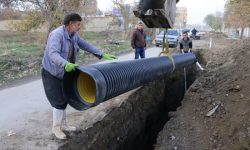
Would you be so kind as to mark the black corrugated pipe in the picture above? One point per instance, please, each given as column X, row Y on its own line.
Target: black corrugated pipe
column 93, row 84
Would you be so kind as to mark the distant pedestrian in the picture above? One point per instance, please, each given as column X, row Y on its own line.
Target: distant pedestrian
column 148, row 39
column 138, row 41
column 194, row 32
column 186, row 43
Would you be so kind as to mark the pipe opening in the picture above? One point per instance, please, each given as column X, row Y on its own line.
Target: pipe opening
column 97, row 83
column 86, row 88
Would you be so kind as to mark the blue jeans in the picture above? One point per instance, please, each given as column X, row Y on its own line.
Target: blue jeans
column 139, row 52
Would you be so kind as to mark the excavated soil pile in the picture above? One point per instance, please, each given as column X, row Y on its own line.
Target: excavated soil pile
column 215, row 113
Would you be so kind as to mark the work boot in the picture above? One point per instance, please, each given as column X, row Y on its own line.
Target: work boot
column 199, row 66
column 57, row 124
column 66, row 127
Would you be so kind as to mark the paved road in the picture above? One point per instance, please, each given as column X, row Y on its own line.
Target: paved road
column 19, row 104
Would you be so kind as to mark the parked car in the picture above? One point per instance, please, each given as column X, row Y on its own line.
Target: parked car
column 172, row 36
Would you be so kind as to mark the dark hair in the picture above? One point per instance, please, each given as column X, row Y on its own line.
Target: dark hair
column 185, row 32
column 71, row 17
column 140, row 22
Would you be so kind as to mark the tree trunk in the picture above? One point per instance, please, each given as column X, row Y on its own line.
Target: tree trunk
column 52, row 6
column 242, row 32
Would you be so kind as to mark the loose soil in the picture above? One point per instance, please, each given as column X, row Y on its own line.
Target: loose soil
column 224, row 83
column 111, row 125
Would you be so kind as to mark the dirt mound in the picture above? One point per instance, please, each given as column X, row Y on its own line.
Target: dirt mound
column 214, row 35
column 13, row 68
column 215, row 112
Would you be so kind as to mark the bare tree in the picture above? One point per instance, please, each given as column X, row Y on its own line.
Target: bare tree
column 51, row 11
column 121, row 6
column 237, row 14
column 215, row 21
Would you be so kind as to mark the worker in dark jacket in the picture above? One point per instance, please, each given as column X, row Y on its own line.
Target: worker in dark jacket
column 186, row 44
column 186, row 47
column 194, row 31
column 138, row 41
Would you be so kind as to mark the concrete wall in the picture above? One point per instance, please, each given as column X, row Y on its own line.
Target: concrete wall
column 94, row 24
column 4, row 24
column 99, row 24
column 246, row 32
column 181, row 17
column 232, row 32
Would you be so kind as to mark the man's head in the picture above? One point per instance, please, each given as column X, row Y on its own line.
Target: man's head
column 72, row 22
column 185, row 35
column 140, row 25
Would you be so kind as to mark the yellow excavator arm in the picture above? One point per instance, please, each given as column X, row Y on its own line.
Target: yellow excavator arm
column 157, row 13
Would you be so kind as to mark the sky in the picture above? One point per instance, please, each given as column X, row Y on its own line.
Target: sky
column 197, row 9
column 107, row 4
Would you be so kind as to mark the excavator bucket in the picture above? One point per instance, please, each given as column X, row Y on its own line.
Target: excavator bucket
column 157, row 13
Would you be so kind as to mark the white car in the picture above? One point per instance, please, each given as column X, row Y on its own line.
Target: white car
column 172, row 35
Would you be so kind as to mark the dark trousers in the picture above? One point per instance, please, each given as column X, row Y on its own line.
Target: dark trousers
column 139, row 52
column 53, row 90
column 188, row 51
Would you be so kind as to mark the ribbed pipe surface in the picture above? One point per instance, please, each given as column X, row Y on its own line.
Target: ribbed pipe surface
column 112, row 79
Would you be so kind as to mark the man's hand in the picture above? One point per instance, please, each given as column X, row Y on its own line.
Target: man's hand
column 133, row 49
column 108, row 56
column 70, row 67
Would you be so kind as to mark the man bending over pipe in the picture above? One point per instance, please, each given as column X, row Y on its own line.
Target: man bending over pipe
column 186, row 47
column 59, row 56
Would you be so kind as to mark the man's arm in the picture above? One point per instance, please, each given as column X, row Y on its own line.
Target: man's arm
column 84, row 45
column 181, row 47
column 133, row 40
column 54, row 48
column 190, row 44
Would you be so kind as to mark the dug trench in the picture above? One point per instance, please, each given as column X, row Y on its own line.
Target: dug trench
column 136, row 123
